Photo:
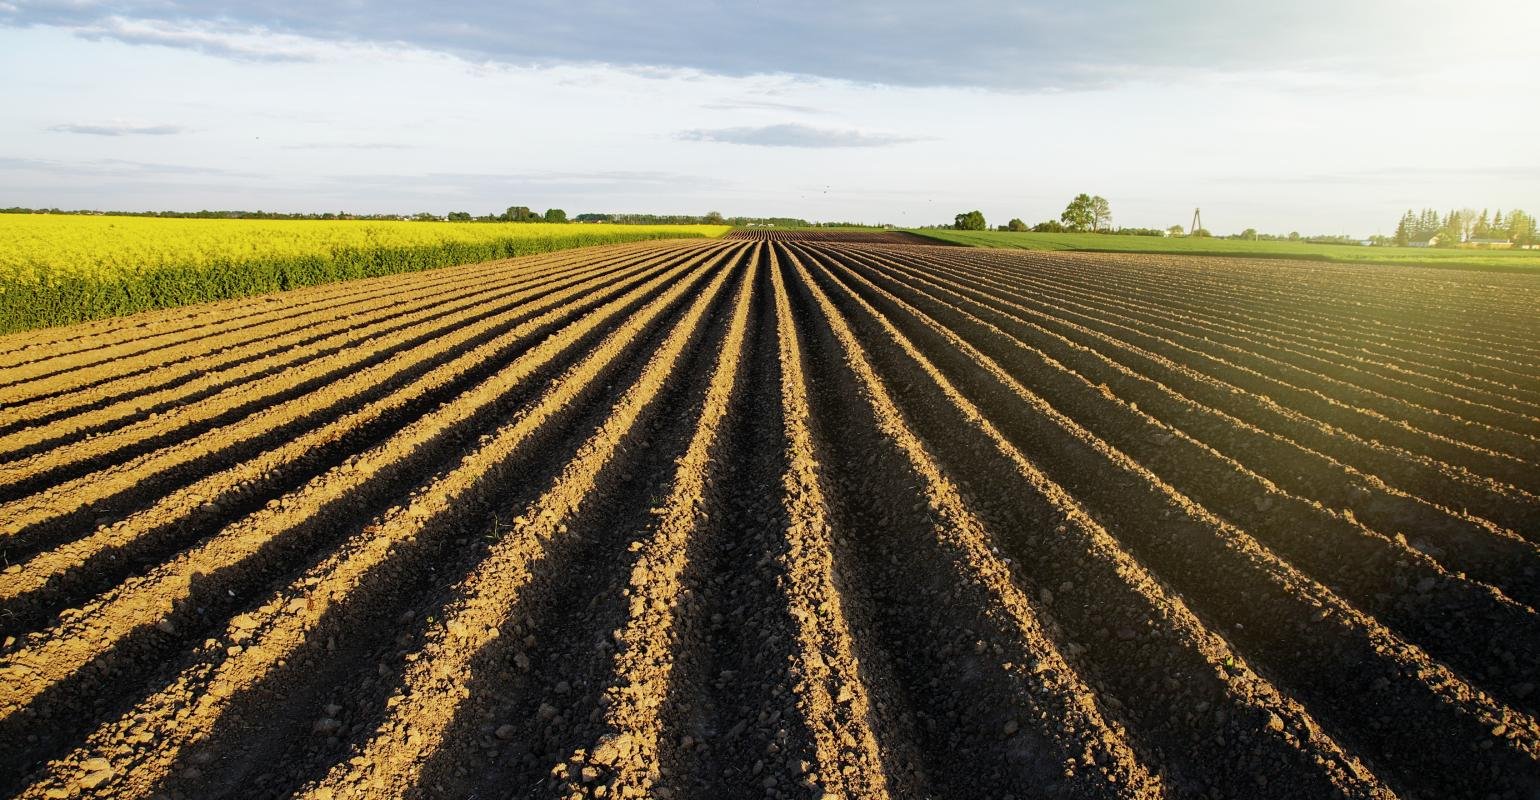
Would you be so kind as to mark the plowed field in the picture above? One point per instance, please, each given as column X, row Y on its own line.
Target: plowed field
column 783, row 516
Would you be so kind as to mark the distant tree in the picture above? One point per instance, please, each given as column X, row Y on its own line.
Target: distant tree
column 1483, row 227
column 1201, row 233
column 1048, row 226
column 1293, row 236
column 1468, row 223
column 1079, row 215
column 1451, row 231
column 1101, row 212
column 1016, row 225
column 1406, row 229
column 555, row 215
column 519, row 214
column 712, row 218
column 970, row 221
column 459, row 216
column 425, row 216
column 1175, row 230
column 1517, row 227
column 1249, row 233
column 1521, row 228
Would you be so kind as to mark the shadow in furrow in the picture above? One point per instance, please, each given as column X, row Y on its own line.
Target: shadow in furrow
column 110, row 566
column 351, row 332
column 381, row 624
column 730, row 722
column 932, row 632
column 1439, row 615
column 255, row 406
column 535, row 691
column 216, row 597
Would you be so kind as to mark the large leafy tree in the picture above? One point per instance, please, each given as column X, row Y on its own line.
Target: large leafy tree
column 970, row 221
column 1078, row 215
column 1101, row 212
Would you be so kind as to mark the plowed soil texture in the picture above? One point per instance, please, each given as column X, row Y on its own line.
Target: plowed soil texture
column 788, row 516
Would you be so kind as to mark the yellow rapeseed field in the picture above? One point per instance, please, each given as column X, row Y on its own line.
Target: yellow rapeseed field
column 57, row 269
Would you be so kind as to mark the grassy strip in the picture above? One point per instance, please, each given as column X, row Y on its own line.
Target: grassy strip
column 65, row 299
column 1503, row 260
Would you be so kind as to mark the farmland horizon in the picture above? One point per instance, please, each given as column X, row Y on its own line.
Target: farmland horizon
column 1319, row 118
column 698, row 217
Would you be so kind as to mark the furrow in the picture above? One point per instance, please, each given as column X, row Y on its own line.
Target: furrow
column 37, row 346
column 1505, row 558
column 55, row 655
column 1477, row 422
column 229, row 324
column 845, row 705
column 1050, row 696
column 300, row 341
column 1351, row 345
column 1401, row 587
column 1411, row 472
column 179, row 513
column 1281, row 472
column 1455, row 350
column 1289, row 755
column 1265, row 376
column 1346, row 668
column 294, row 415
column 217, row 679
column 434, row 689
column 359, row 339
column 1279, row 289
column 84, row 379
column 625, row 757
column 71, row 459
column 1249, row 311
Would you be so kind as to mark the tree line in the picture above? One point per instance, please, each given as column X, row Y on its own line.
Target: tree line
column 206, row 214
column 1086, row 213
column 512, row 214
column 1465, row 225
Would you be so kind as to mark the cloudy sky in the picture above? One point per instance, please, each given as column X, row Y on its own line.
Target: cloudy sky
column 1320, row 116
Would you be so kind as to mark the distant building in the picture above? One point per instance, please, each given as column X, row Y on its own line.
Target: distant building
column 1488, row 244
column 1431, row 242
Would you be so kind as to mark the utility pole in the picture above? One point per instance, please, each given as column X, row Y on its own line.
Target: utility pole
column 1197, row 221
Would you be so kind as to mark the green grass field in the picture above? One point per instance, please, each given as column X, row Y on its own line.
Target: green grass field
column 1340, row 253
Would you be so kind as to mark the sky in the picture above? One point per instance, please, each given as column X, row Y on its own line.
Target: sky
column 1311, row 116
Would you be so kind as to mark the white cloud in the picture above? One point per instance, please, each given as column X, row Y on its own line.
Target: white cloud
column 117, row 129
column 239, row 42
column 795, row 135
